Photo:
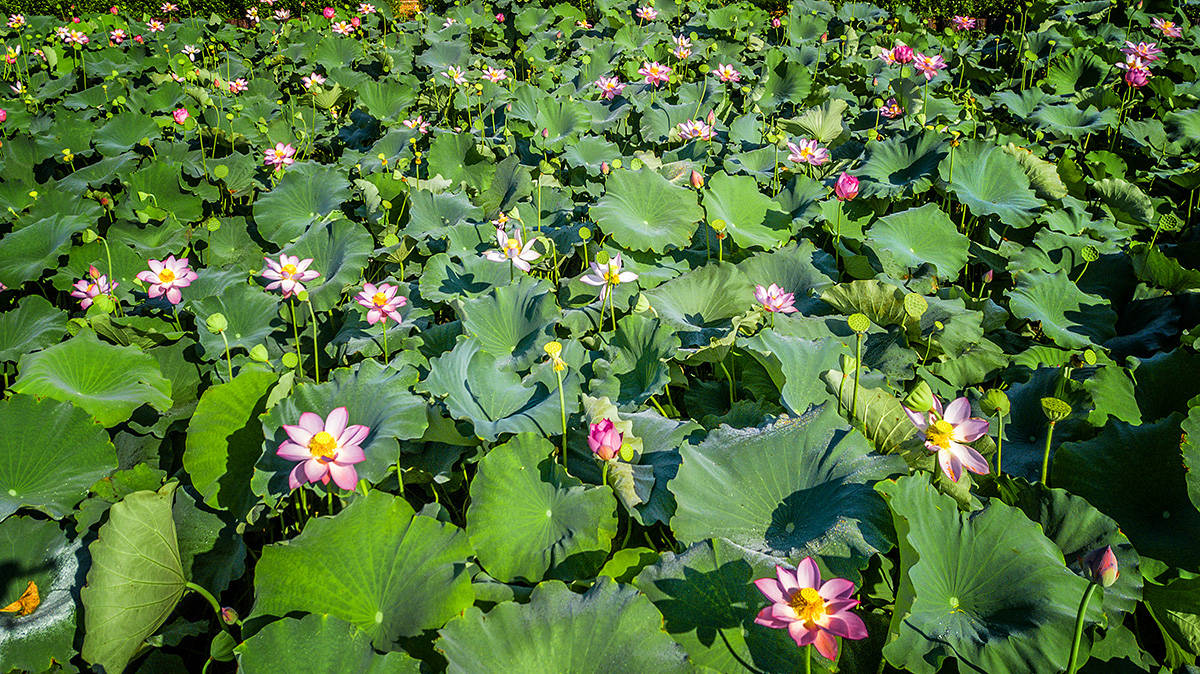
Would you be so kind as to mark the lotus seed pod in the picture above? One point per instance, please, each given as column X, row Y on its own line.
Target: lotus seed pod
column 216, row 323
column 859, row 323
column 995, row 402
column 1089, row 356
column 259, row 353
column 915, row 305
column 585, row 233
column 1055, row 410
column 289, row 360
column 1090, row 254
column 920, row 399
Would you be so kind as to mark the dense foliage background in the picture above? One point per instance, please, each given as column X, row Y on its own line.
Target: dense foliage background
column 555, row 481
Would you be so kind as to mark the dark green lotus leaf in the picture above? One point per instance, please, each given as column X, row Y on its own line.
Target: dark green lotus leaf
column 123, row 131
column 528, row 517
column 34, row 324
column 37, row 550
column 1132, row 474
column 1126, row 201
column 251, row 313
column 340, row 251
column 445, row 279
column 1075, row 72
column 1043, row 175
column 991, row 586
column 780, row 81
column 925, row 235
column 902, row 166
column 26, row 252
column 1191, row 452
column 700, row 303
column 1069, row 121
column 642, row 347
column 330, row 644
column 1173, row 607
column 736, row 201
column 306, row 193
column 1069, row 316
column 372, row 565
column 454, row 157
column 557, row 632
column 802, row 488
column 512, row 322
column 989, row 181
column 878, row 414
column 1184, row 127
column 109, row 382
column 796, row 363
column 644, row 211
column 1152, row 266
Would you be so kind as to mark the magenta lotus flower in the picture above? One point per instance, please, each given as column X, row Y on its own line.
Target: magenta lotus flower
column 1100, row 566
column 604, row 440
column 775, row 22
column 946, row 433
column 1168, row 28
column 902, row 53
column 610, row 87
column 289, row 274
column 167, row 276
column 608, row 275
column 1137, row 71
column 654, row 72
column 494, row 74
column 775, row 300
column 280, row 156
column 961, row 23
column 696, row 179
column 646, row 13
column 1147, row 52
column 238, row 86
column 328, row 12
column 3, row 115
column 846, row 187
column 929, row 66
column 727, row 73
column 500, row 17
column 325, row 449
column 417, row 123
column 86, row 290
column 512, row 250
column 813, row 612
column 681, row 53
column 807, row 151
column 694, row 128
column 381, row 302
column 892, row 109
column 180, row 115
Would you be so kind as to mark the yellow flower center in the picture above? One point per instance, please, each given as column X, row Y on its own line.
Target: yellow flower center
column 939, row 433
column 808, row 604
column 511, row 245
column 1168, row 25
column 289, row 269
column 379, row 299
column 166, row 276
column 612, row 276
column 323, row 446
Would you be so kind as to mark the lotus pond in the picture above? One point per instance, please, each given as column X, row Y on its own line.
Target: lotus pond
column 519, row 337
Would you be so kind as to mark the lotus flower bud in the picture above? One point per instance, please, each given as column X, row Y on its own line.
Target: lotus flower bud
column 902, row 53
column 697, row 180
column 216, row 323
column 3, row 115
column 355, row 21
column 228, row 615
column 920, row 399
column 846, row 187
column 113, row 9
column 712, row 117
column 93, row 272
column 988, row 276
column 328, row 12
column 1100, row 566
column 604, row 167
column 604, row 440
column 180, row 115
column 775, row 23
column 545, row 133
column 500, row 18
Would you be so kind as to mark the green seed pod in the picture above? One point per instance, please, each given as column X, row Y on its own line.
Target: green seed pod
column 89, row 236
column 1090, row 254
column 216, row 323
column 259, row 353
column 995, row 402
column 1089, row 357
column 602, row 257
column 585, row 233
column 915, row 305
column 290, row 360
column 859, row 323
column 920, row 398
column 1055, row 410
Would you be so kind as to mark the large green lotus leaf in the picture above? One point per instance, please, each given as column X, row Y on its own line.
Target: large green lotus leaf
column 1132, row 474
column 990, row 181
column 902, row 167
column 123, row 131
column 737, row 201
column 1126, row 201
column 109, row 382
column 528, row 517
column 1074, row 72
column 512, row 322
column 591, row 152
column 510, row 185
column 34, row 324
column 708, row 601
column 561, row 120
column 1077, row 529
column 340, row 251
column 641, row 348
column 250, row 312
column 26, row 252
column 1155, row 268
column 136, row 578
column 796, row 363
column 609, row 628
column 305, row 195
column 1191, row 452
column 641, row 210
column 445, row 279
column 496, row 400
column 1174, row 607
column 879, row 415
column 224, row 440
column 154, row 193
column 879, row 301
column 1068, row 120
column 700, row 303
column 1043, row 175
column 37, row 550
column 49, row 464
column 991, row 587
column 455, row 157
column 797, row 488
column 799, row 269
column 1069, row 316
column 781, row 80
column 330, row 645
column 377, row 565
column 924, row 235
column 1184, row 127
column 1159, row 388
column 822, row 123
column 376, row 396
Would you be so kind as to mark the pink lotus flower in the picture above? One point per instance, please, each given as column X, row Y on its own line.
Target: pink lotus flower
column 252, row 15
column 325, row 448
column 608, row 275
column 1168, row 28
column 681, row 53
column 280, row 156
column 646, row 13
column 929, row 65
column 807, row 151
column 180, row 115
column 682, row 41
column 456, row 75
column 846, row 187
column 167, row 276
column 494, row 74
column 342, row 28
column 962, row 23
column 500, row 17
column 382, row 302
column 1147, row 52
column 309, row 81
column 155, row 26
column 654, row 72
column 512, row 250
column 902, row 53
column 610, row 87
column 328, row 12
column 117, row 36
column 366, row 8
column 167, row 8
column 775, row 22
column 774, row 300
column 604, row 440
column 288, row 274
column 946, row 433
column 813, row 613
column 584, row 24
column 3, row 115
column 238, row 86
column 283, row 14
column 727, row 73
column 1100, row 566
column 448, row 23
column 85, row 290
column 1137, row 72
column 694, row 128
column 417, row 123
column 892, row 109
